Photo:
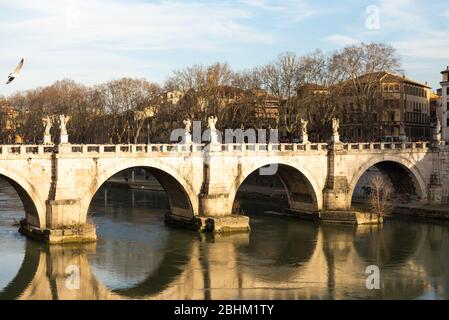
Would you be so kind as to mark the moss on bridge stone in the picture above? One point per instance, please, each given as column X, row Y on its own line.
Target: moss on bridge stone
column 348, row 217
column 222, row 224
column 70, row 234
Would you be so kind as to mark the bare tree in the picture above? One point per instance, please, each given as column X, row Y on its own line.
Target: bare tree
column 314, row 86
column 62, row 97
column 362, row 68
column 282, row 78
column 379, row 197
column 206, row 91
column 319, row 95
column 123, row 98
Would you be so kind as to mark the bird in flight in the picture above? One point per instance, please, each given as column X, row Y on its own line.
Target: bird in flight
column 15, row 73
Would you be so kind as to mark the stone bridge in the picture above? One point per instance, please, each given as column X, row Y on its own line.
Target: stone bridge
column 57, row 183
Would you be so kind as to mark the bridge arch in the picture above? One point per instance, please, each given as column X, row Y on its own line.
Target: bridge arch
column 408, row 167
column 295, row 178
column 35, row 211
column 182, row 199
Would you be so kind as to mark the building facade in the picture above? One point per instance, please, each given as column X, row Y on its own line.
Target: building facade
column 444, row 113
column 435, row 107
column 402, row 111
column 10, row 124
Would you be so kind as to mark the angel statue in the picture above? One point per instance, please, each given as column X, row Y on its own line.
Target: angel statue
column 63, row 126
column 304, row 124
column 47, row 123
column 438, row 127
column 335, row 126
column 188, row 125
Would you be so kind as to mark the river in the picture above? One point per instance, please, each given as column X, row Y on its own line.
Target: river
column 138, row 257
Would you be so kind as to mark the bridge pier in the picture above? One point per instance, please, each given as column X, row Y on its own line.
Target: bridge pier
column 435, row 189
column 66, row 218
column 216, row 204
column 217, row 216
column 64, row 224
column 337, row 197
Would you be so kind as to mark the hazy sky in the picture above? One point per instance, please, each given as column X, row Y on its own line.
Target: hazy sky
column 92, row 41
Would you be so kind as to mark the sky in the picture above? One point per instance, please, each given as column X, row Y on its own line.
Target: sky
column 93, row 41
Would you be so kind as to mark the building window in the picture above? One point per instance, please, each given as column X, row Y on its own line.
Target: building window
column 392, row 116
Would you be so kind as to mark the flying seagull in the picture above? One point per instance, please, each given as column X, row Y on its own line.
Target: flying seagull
column 15, row 73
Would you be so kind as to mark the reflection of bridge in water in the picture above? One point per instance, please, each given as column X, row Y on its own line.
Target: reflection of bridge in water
column 310, row 262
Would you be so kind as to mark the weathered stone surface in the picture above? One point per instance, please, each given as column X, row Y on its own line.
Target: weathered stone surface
column 57, row 184
column 231, row 223
column 349, row 217
column 70, row 234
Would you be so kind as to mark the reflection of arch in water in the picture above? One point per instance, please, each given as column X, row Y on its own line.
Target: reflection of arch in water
column 394, row 248
column 178, row 253
column 26, row 273
column 350, row 250
column 391, row 244
column 290, row 244
column 171, row 267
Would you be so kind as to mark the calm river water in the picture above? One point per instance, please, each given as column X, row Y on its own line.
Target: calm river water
column 138, row 257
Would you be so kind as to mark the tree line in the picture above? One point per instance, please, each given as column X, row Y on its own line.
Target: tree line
column 314, row 87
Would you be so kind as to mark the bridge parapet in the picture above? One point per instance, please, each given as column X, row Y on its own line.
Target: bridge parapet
column 141, row 149
column 385, row 146
column 12, row 150
column 131, row 148
column 269, row 148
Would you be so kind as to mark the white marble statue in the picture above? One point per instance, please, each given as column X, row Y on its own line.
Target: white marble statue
column 335, row 126
column 47, row 124
column 63, row 123
column 188, row 125
column 304, row 124
column 438, row 127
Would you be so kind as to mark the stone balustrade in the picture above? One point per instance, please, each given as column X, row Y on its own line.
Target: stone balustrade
column 27, row 150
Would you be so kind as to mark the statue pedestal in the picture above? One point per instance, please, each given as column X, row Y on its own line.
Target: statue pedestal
column 403, row 138
column 437, row 138
column 305, row 139
column 47, row 139
column 64, row 139
column 335, row 138
column 188, row 138
column 215, row 146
